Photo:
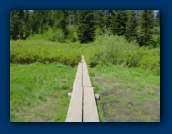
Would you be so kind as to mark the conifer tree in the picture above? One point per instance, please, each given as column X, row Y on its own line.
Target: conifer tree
column 119, row 20
column 16, row 24
column 35, row 21
column 131, row 33
column 13, row 25
column 108, row 18
column 158, row 18
column 27, row 24
column 145, row 28
column 101, row 21
column 72, row 17
column 138, row 12
column 60, row 21
column 114, row 22
column 39, row 21
column 86, row 26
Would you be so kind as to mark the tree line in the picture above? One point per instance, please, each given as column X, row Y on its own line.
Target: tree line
column 142, row 26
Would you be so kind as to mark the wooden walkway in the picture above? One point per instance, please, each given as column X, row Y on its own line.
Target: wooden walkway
column 82, row 107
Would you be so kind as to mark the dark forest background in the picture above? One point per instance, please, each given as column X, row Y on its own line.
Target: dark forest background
column 141, row 26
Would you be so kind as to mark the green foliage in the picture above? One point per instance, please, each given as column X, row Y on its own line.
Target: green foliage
column 157, row 18
column 156, row 36
column 40, row 20
column 42, row 51
column 130, row 33
column 116, row 50
column 118, row 23
column 57, row 35
column 86, row 26
column 72, row 36
column 27, row 26
column 17, row 21
column 83, row 25
column 98, row 31
column 145, row 28
column 151, row 60
column 50, row 35
column 106, row 50
column 101, row 20
column 60, row 21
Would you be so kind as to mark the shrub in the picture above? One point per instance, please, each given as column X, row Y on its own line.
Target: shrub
column 116, row 50
column 56, row 35
column 30, row 51
column 50, row 35
column 72, row 36
column 151, row 60
column 106, row 50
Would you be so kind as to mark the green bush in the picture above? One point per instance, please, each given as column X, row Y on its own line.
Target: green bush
column 151, row 60
column 72, row 36
column 106, row 50
column 30, row 51
column 57, row 35
column 117, row 51
column 50, row 35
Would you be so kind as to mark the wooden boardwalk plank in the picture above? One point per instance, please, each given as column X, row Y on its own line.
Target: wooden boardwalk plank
column 86, row 78
column 82, row 105
column 78, row 77
column 90, row 113
column 75, row 107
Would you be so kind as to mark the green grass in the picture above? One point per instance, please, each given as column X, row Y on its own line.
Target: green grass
column 125, row 75
column 126, row 94
column 38, row 92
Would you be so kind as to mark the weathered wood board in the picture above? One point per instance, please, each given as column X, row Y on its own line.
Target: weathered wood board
column 82, row 107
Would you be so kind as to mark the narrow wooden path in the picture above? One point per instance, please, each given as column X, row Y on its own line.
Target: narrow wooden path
column 82, row 107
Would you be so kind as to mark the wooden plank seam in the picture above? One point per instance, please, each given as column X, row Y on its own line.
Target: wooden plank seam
column 82, row 107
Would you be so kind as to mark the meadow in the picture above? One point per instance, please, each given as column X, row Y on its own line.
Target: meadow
column 38, row 92
column 126, row 94
column 126, row 76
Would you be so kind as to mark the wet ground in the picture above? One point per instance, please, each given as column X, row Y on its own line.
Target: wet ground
column 123, row 101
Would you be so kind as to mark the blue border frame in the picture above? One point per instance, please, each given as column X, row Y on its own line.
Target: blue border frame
column 166, row 66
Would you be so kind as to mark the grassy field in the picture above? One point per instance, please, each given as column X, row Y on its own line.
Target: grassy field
column 126, row 94
column 38, row 92
column 125, row 75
